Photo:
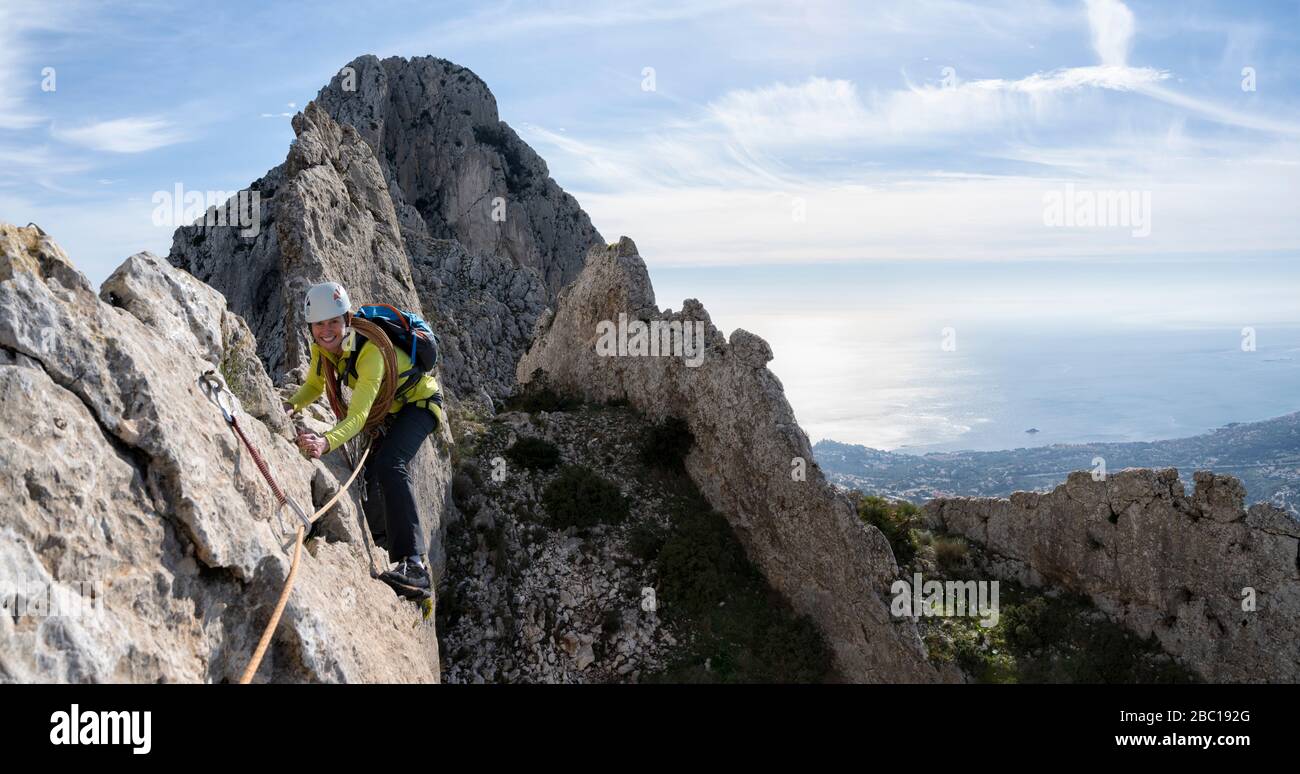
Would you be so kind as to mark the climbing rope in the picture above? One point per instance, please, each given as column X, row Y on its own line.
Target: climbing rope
column 212, row 387
column 265, row 641
column 215, row 390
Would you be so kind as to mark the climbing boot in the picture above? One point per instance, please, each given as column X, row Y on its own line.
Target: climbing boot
column 409, row 579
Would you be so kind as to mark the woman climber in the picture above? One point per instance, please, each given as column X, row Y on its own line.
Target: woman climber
column 416, row 413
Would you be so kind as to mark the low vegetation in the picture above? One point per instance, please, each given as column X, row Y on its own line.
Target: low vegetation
column 740, row 631
column 1038, row 637
column 533, row 453
column 666, row 444
column 538, row 395
column 897, row 520
column 1049, row 639
column 580, row 497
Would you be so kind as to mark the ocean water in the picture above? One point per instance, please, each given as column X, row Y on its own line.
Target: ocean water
column 1070, row 384
column 943, row 358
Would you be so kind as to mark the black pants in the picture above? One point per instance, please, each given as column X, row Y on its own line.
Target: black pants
column 390, row 500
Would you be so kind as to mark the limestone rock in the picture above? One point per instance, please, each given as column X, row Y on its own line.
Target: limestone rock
column 748, row 458
column 134, row 508
column 325, row 214
column 397, row 189
column 484, row 308
column 447, row 156
column 194, row 318
column 1158, row 561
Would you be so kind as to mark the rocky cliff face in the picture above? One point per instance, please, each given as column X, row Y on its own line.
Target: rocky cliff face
column 525, row 601
column 325, row 215
column 139, row 543
column 447, row 156
column 392, row 185
column 409, row 190
column 1217, row 584
column 751, row 460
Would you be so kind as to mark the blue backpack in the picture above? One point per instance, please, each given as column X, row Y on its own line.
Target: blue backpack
column 409, row 333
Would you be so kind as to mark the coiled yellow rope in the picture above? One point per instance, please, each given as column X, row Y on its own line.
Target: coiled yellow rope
column 387, row 385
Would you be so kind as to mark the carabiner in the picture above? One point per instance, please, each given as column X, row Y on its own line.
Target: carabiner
column 211, row 386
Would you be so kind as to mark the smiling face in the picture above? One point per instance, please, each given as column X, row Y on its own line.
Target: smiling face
column 328, row 334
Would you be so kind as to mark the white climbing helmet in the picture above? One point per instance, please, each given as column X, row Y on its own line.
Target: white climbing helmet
column 326, row 300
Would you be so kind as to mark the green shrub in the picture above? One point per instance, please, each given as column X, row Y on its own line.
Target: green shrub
column 534, row 453
column 579, row 497
column 538, row 395
column 739, row 629
column 1030, row 627
column 895, row 519
column 666, row 443
column 791, row 650
column 949, row 552
column 1060, row 639
column 644, row 541
column 466, row 483
column 700, row 562
column 541, row 399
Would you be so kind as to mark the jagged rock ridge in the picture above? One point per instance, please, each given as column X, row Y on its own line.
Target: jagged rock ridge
column 803, row 535
column 1158, row 561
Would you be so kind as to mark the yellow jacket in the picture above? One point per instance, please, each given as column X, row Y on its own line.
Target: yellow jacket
column 364, row 384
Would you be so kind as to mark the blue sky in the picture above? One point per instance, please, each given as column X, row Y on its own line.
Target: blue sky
column 808, row 152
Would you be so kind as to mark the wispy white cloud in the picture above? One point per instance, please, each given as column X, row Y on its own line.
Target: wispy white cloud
column 134, row 134
column 1220, row 113
column 823, row 110
column 1230, row 205
column 744, row 138
column 504, row 20
column 97, row 230
column 16, row 74
column 1111, row 23
column 722, row 184
column 21, row 166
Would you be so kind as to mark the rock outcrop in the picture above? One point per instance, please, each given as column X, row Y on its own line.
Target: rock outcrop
column 138, row 543
column 751, row 460
column 484, row 308
column 448, row 155
column 1217, row 584
column 325, row 214
column 409, row 190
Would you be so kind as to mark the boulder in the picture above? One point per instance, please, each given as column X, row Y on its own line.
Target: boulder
column 140, row 542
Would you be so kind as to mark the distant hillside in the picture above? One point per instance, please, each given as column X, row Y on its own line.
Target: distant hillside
column 1264, row 455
